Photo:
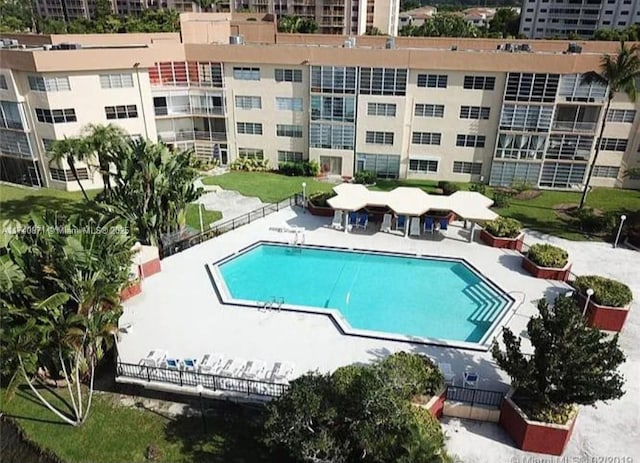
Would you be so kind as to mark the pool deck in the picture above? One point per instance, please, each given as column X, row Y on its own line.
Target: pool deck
column 178, row 311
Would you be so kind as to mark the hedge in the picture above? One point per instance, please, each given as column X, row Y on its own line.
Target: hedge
column 504, row 227
column 547, row 255
column 606, row 292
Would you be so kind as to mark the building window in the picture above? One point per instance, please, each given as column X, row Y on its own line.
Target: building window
column 613, row 144
column 574, row 88
column 562, row 174
column 63, row 175
column 56, row 116
column 333, row 108
column 432, row 80
column 381, row 109
column 288, row 75
column 249, row 128
column 288, row 104
column 117, row 80
column 16, row 143
column 10, row 117
column 526, row 117
column 606, row 171
column 3, row 82
column 426, row 138
column 531, row 87
column 429, row 110
column 384, row 165
column 511, row 146
column 474, row 112
column 250, row 153
column 506, row 173
column 333, row 79
column 290, row 156
column 121, row 112
column 429, row 166
column 479, row 82
column 569, row 147
column 289, row 130
column 248, row 102
column 621, row 115
column 470, row 141
column 379, row 138
column 331, row 136
column 383, row 81
column 244, row 73
column 49, row 84
column 464, row 167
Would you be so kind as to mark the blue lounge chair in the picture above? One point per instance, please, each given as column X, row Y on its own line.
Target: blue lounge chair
column 173, row 363
column 353, row 218
column 190, row 363
column 363, row 220
column 444, row 224
column 428, row 224
column 470, row 379
column 400, row 222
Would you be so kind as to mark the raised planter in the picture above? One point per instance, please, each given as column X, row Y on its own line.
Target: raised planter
column 319, row 210
column 534, row 436
column 604, row 317
column 503, row 243
column 547, row 273
column 131, row 291
column 435, row 405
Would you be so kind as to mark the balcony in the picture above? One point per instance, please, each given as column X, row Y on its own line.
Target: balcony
column 574, row 126
column 192, row 135
column 187, row 110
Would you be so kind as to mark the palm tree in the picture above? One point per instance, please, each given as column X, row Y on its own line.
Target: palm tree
column 70, row 150
column 619, row 73
column 104, row 140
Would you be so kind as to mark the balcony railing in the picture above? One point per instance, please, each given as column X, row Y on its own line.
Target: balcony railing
column 192, row 135
column 188, row 110
column 572, row 126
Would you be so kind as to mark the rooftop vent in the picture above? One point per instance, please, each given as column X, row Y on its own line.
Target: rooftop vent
column 525, row 47
column 67, row 46
column 454, row 47
column 8, row 43
column 390, row 43
column 236, row 40
column 574, row 48
column 349, row 43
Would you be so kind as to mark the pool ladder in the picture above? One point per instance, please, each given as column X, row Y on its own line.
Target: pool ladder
column 274, row 304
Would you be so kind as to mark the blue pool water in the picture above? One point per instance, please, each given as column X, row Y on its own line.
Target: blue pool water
column 421, row 297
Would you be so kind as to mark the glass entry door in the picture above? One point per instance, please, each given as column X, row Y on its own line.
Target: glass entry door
column 331, row 165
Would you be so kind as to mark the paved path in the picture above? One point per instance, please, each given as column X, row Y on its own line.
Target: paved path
column 230, row 203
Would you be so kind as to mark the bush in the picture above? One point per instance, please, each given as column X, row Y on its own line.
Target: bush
column 504, row 227
column 633, row 229
column 320, row 199
column 416, row 373
column 448, row 188
column 250, row 165
column 521, row 185
column 501, row 198
column 299, row 169
column 547, row 255
column 607, row 292
column 478, row 188
column 365, row 177
column 589, row 221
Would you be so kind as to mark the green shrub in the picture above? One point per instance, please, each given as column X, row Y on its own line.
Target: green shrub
column 413, row 373
column 365, row 177
column 250, row 165
column 547, row 255
column 478, row 188
column 504, row 227
column 587, row 220
column 299, row 169
column 607, row 292
column 447, row 187
column 521, row 185
column 501, row 198
column 320, row 199
column 633, row 229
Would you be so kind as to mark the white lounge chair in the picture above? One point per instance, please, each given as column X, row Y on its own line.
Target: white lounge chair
column 447, row 372
column 210, row 363
column 470, row 379
column 414, row 227
column 154, row 358
column 282, row 372
column 337, row 220
column 232, row 367
column 254, row 369
column 386, row 223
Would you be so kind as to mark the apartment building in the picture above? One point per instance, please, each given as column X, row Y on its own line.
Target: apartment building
column 417, row 108
column 558, row 18
column 68, row 10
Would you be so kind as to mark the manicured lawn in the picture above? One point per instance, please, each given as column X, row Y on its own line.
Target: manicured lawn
column 114, row 433
column 270, row 188
column 193, row 218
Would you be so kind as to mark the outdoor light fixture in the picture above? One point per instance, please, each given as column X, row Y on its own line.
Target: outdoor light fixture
column 622, row 219
column 586, row 304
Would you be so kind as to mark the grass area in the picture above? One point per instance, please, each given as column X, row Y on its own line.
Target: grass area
column 269, row 187
column 115, row 433
column 17, row 203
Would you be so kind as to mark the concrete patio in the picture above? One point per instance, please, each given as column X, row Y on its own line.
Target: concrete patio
column 178, row 311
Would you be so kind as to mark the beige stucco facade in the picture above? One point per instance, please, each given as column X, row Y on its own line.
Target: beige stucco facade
column 457, row 109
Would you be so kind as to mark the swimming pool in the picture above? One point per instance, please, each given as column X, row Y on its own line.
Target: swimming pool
column 417, row 298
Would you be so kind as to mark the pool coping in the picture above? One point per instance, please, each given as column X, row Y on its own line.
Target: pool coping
column 224, row 297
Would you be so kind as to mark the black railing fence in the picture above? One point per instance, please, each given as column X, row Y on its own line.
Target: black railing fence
column 474, row 396
column 228, row 225
column 209, row 381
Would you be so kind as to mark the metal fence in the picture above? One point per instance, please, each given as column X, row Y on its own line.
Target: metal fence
column 474, row 396
column 228, row 225
column 208, row 381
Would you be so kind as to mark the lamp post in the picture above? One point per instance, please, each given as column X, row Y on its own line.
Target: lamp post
column 200, row 214
column 136, row 66
column 304, row 196
column 200, row 390
column 586, row 304
column 622, row 219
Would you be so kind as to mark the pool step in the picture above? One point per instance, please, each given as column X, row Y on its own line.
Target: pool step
column 488, row 306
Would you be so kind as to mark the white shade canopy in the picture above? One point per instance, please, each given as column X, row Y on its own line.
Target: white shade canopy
column 410, row 201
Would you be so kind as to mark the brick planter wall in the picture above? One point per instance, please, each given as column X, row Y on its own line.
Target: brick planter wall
column 547, row 273
column 150, row 268
column 604, row 317
column 503, row 243
column 318, row 210
column 436, row 404
column 534, row 436
column 131, row 291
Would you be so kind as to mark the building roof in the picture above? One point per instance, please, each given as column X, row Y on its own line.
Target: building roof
column 424, row 12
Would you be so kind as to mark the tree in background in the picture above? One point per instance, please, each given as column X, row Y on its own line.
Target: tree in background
column 619, row 74
column 373, row 30
column 17, row 16
column 443, row 25
column 628, row 34
column 104, row 141
column 71, row 149
column 505, row 22
column 297, row 25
